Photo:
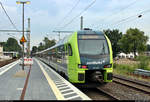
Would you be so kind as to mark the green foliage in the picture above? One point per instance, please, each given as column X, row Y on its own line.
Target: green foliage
column 47, row 43
column 2, row 43
column 128, row 68
column 148, row 47
column 124, row 68
column 133, row 41
column 12, row 45
column 114, row 36
column 34, row 49
column 41, row 47
column 114, row 65
column 143, row 62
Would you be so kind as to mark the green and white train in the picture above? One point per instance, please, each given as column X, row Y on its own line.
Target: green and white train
column 82, row 57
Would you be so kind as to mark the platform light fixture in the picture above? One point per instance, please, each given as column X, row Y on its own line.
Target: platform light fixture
column 23, row 2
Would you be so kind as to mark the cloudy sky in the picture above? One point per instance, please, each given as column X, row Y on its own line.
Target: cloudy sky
column 49, row 15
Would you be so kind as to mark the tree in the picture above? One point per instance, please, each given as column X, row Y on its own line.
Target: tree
column 41, row 47
column 12, row 45
column 114, row 36
column 148, row 47
column 133, row 41
column 48, row 43
column 2, row 43
column 34, row 49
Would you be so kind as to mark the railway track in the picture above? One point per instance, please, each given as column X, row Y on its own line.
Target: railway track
column 3, row 63
column 134, row 84
column 110, row 95
column 121, row 88
column 98, row 94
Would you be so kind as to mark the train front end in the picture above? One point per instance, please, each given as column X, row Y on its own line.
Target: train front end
column 95, row 54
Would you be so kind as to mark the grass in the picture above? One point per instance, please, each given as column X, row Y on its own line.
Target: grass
column 126, row 69
column 144, row 62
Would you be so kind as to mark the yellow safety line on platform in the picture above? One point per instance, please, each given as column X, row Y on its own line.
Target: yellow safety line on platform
column 56, row 91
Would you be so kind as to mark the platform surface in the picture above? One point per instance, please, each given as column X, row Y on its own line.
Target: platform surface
column 38, row 82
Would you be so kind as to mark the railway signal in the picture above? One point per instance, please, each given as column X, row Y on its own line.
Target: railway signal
column 22, row 40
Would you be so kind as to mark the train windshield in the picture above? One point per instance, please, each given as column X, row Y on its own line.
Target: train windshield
column 93, row 45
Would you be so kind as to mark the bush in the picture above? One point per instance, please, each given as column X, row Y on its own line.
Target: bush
column 114, row 65
column 123, row 68
column 143, row 62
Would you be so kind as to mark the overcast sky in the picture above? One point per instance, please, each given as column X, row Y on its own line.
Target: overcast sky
column 48, row 15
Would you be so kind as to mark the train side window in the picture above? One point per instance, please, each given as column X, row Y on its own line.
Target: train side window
column 66, row 51
column 69, row 50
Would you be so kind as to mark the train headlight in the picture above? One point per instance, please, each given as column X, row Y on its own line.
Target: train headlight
column 108, row 66
column 82, row 66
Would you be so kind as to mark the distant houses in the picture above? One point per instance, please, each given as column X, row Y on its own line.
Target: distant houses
column 4, row 55
column 147, row 53
column 130, row 55
column 123, row 55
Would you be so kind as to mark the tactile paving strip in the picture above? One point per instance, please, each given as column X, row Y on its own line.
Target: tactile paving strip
column 66, row 91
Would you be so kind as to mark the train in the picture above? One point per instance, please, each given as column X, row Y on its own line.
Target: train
column 15, row 55
column 83, row 57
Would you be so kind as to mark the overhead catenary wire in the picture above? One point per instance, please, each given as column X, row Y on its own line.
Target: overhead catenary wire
column 126, row 7
column 130, row 17
column 8, row 16
column 12, row 36
column 64, row 18
column 87, row 7
column 117, row 12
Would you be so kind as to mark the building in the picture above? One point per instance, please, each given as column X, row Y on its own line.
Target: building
column 129, row 55
column 1, row 50
column 10, row 53
column 147, row 53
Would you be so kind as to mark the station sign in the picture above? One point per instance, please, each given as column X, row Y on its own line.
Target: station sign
column 28, row 61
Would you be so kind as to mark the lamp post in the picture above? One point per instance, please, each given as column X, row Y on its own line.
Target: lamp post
column 23, row 2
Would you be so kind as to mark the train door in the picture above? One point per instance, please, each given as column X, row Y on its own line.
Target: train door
column 70, row 67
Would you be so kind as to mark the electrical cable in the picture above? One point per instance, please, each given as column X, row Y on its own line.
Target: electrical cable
column 112, row 14
column 130, row 18
column 69, row 13
column 12, row 36
column 79, row 14
column 8, row 16
column 137, row 15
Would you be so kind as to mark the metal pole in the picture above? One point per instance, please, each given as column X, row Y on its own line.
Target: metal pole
column 28, row 44
column 23, row 35
column 59, row 35
column 81, row 23
column 29, row 37
column 12, row 31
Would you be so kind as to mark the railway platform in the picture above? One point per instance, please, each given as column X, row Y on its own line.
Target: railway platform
column 36, row 82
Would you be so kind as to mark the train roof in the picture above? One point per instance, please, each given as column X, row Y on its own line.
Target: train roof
column 65, row 39
column 90, row 32
column 61, row 42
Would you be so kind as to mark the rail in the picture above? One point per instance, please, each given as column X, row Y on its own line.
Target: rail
column 135, row 84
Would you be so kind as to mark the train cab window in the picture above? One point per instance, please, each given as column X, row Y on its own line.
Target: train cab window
column 69, row 50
